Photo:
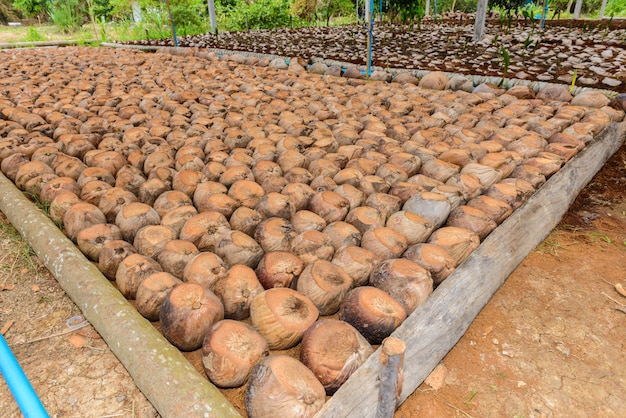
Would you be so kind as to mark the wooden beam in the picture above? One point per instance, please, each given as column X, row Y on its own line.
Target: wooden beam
column 436, row 326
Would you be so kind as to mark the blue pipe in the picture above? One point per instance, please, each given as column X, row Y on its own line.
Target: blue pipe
column 18, row 383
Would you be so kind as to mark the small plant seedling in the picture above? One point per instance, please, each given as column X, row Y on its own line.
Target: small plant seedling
column 595, row 236
column 44, row 298
column 493, row 387
column 506, row 61
column 472, row 395
column 573, row 85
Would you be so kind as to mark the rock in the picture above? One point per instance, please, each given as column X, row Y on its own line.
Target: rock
column 318, row 68
column 590, row 99
column 379, row 75
column 353, row 72
column 488, row 88
column 553, row 93
column 404, row 78
column 522, row 92
column 457, row 83
column 435, row 80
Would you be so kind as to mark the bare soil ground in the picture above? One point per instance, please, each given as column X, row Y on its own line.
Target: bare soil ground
column 550, row 342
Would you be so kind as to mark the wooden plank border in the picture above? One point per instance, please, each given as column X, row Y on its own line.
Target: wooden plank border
column 435, row 327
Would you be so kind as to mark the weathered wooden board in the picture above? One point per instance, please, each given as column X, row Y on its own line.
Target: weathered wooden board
column 434, row 328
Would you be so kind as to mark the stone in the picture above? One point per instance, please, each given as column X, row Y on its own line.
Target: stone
column 318, row 68
column 457, row 83
column 353, row 72
column 592, row 99
column 435, row 80
column 405, row 78
column 437, row 377
column 554, row 92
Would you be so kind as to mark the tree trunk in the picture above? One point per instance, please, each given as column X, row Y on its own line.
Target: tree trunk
column 479, row 25
column 579, row 5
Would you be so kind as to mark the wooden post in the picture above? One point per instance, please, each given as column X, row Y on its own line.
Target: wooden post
column 390, row 376
column 479, row 24
column 579, row 5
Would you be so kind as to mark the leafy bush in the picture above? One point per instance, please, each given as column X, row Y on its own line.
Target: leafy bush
column 67, row 15
column 33, row 35
column 260, row 14
column 33, row 8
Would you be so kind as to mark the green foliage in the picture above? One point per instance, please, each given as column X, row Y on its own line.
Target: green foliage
column 615, row 8
column 33, row 35
column 102, row 9
column 32, row 8
column 260, row 14
column 509, row 6
column 67, row 15
column 406, row 10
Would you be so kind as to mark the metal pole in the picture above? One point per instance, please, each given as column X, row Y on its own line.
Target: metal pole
column 544, row 14
column 370, row 40
column 18, row 383
column 169, row 10
column 602, row 7
column 577, row 8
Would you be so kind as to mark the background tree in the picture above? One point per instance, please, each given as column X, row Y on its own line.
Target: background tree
column 33, row 8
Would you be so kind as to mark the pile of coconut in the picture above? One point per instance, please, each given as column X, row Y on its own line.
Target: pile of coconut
column 251, row 209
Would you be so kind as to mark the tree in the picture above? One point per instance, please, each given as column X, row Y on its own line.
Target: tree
column 33, row 8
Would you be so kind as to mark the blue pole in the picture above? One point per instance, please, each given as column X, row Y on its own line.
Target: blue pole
column 545, row 13
column 172, row 22
column 18, row 383
column 370, row 39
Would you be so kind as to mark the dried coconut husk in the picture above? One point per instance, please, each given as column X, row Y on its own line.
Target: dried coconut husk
column 60, row 204
column 305, row 220
column 133, row 270
column 323, row 183
column 170, row 200
column 203, row 230
column 30, row 170
column 405, row 281
column 57, row 186
column 12, row 163
column 486, row 175
column 385, row 242
column 299, row 393
column 433, row 258
column 275, row 234
column 312, row 245
column 424, row 182
column 392, row 173
column 282, row 315
column 472, row 219
column 333, row 350
column 175, row 256
column 530, row 173
column 111, row 161
column 230, row 350
column 113, row 200
column 177, row 217
column 157, row 159
column 188, row 312
column 214, row 170
column 357, row 262
column 80, row 216
column 113, row 252
column 91, row 240
column 546, row 162
column 373, row 312
column 151, row 190
column 245, row 220
column 528, row 146
column 205, row 269
column 134, row 216
column 495, row 209
column 414, row 227
column 438, row 169
column 565, row 151
column 457, row 156
column 264, row 169
column 408, row 162
column 365, row 165
column 504, row 162
column 292, row 158
column 151, row 239
column 187, row 181
column 66, row 167
column 433, row 207
column 93, row 190
column 300, row 194
column 458, row 242
column 331, row 206
column 323, row 167
column 237, row 290
column 235, row 247
column 278, row 269
column 325, row 284
column 386, row 204
column 276, row 205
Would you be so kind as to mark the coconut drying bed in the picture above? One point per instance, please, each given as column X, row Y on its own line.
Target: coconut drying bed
column 105, row 95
